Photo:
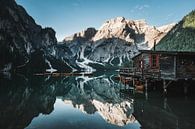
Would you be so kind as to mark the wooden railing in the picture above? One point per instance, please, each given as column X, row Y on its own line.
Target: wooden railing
column 151, row 73
column 126, row 70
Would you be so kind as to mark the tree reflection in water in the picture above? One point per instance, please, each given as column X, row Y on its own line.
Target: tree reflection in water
column 25, row 99
column 87, row 102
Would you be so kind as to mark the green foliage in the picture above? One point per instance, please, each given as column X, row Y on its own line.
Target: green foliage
column 181, row 37
column 189, row 20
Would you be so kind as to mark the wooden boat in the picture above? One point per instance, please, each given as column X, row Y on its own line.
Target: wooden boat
column 139, row 87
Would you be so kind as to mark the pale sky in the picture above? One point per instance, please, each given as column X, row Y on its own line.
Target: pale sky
column 70, row 16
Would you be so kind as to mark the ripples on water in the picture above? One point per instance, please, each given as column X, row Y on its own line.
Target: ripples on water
column 87, row 103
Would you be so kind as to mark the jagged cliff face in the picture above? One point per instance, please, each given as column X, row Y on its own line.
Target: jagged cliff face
column 137, row 31
column 114, row 44
column 132, row 31
column 85, row 35
column 23, row 43
column 21, row 37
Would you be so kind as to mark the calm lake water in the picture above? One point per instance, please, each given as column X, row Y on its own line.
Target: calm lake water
column 88, row 103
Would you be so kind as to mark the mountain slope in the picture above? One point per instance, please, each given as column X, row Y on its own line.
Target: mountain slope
column 137, row 31
column 20, row 35
column 23, row 43
column 83, row 36
column 114, row 44
column 181, row 37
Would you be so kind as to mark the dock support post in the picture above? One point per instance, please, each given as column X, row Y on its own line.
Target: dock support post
column 185, row 85
column 165, row 103
column 125, row 84
column 133, row 82
column 146, row 89
column 185, row 90
column 164, row 86
column 146, row 84
column 175, row 66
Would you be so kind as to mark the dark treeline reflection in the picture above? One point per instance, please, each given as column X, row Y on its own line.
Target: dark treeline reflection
column 44, row 102
column 23, row 99
column 165, row 113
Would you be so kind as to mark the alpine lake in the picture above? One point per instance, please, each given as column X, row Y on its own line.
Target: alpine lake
column 89, row 102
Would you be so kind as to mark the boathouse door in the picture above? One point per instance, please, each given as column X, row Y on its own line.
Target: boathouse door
column 154, row 61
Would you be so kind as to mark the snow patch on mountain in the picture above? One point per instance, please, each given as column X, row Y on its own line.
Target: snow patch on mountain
column 115, row 43
column 51, row 69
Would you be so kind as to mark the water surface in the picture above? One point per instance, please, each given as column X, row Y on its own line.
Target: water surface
column 44, row 102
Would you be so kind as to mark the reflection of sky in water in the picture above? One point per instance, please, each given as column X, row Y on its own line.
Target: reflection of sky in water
column 66, row 116
column 88, row 103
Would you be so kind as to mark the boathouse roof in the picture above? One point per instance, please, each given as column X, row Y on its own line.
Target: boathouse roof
column 186, row 53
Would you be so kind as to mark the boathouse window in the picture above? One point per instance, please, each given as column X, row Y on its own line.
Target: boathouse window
column 154, row 61
column 141, row 64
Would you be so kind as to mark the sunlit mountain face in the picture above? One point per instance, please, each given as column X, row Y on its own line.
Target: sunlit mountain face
column 74, row 83
column 26, row 46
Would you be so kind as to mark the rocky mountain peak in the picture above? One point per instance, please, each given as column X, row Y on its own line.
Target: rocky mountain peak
column 140, row 24
column 114, row 21
column 132, row 31
column 114, row 28
column 83, row 36
column 121, row 19
column 20, row 36
column 166, row 28
column 114, row 44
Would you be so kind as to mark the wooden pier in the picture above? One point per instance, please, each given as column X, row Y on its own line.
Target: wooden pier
column 162, row 66
column 55, row 74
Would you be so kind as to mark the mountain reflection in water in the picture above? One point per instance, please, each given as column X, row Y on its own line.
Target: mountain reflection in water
column 64, row 102
column 87, row 103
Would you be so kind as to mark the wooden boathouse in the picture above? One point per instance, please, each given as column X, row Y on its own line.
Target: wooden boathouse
column 162, row 65
column 166, row 65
